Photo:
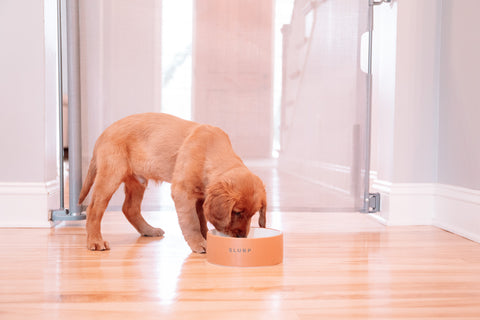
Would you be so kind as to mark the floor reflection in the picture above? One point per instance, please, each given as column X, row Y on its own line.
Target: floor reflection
column 336, row 266
column 285, row 192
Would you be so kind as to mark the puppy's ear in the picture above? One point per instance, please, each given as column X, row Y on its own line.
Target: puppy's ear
column 219, row 204
column 262, row 220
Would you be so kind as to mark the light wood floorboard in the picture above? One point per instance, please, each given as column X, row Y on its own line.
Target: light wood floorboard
column 336, row 266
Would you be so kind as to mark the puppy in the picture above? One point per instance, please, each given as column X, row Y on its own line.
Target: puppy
column 209, row 181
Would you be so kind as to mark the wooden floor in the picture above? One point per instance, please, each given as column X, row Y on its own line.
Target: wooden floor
column 337, row 266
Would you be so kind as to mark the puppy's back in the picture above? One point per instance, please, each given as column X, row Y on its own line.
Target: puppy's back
column 150, row 142
column 146, row 128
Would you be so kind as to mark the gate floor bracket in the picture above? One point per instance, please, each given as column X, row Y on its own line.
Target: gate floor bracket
column 372, row 203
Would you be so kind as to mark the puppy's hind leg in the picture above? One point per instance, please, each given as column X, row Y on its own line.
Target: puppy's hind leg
column 134, row 191
column 102, row 193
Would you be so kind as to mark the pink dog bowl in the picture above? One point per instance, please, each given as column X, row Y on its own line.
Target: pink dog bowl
column 262, row 247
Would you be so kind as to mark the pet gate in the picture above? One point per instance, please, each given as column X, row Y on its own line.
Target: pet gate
column 288, row 80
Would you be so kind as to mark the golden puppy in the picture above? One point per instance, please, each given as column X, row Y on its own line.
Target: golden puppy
column 209, row 181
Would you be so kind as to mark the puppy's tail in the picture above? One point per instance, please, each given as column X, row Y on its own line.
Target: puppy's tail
column 87, row 184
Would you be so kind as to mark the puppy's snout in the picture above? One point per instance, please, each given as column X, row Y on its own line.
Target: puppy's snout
column 239, row 234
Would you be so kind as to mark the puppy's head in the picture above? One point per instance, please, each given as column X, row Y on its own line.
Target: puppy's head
column 231, row 203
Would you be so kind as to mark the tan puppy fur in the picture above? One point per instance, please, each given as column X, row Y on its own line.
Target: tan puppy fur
column 209, row 181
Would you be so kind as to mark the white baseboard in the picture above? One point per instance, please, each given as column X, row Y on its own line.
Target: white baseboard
column 28, row 204
column 452, row 208
column 458, row 211
column 406, row 203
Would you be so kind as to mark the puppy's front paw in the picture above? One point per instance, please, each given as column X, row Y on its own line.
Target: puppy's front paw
column 199, row 247
column 153, row 232
column 98, row 245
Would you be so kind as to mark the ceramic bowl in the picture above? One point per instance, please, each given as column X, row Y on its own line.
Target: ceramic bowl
column 262, row 247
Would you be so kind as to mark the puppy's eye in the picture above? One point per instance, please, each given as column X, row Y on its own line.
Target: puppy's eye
column 237, row 213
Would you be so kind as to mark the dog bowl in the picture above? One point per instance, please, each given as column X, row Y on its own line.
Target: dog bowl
column 262, row 247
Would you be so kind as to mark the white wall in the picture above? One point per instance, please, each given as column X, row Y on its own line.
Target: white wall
column 459, row 135
column 405, row 108
column 22, row 95
column 28, row 178
column 416, row 94
column 458, row 207
column 383, row 94
column 120, row 52
column 405, row 91
column 425, row 144
column 120, row 44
